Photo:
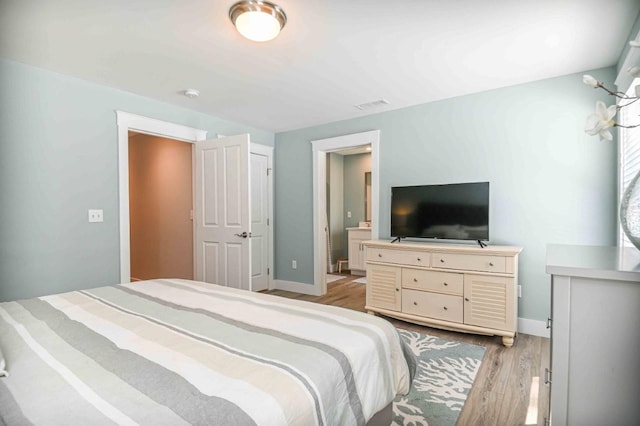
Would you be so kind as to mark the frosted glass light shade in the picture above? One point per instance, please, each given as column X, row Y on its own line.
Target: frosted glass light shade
column 258, row 26
column 257, row 20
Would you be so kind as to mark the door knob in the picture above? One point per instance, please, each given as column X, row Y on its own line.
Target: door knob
column 244, row 234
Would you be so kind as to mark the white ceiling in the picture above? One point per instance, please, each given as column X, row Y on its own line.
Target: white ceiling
column 332, row 54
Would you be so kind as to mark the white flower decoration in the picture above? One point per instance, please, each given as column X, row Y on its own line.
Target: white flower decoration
column 590, row 81
column 601, row 121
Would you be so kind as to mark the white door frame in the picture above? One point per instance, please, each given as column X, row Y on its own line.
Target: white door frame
column 267, row 151
column 320, row 149
column 130, row 122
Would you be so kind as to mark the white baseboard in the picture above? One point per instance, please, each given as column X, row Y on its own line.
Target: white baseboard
column 533, row 327
column 295, row 287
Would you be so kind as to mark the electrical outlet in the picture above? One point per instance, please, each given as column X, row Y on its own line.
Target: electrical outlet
column 519, row 291
column 96, row 215
column 294, row 264
column 349, row 215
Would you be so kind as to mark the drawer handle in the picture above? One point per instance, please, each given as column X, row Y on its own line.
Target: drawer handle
column 415, row 280
column 379, row 255
column 419, row 260
column 397, row 289
column 415, row 303
column 441, row 260
column 445, row 308
column 445, row 284
column 490, row 263
column 466, row 299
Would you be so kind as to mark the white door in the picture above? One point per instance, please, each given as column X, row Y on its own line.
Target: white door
column 259, row 222
column 222, row 228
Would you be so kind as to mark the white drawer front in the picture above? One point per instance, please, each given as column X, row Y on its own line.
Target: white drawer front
column 402, row 257
column 433, row 305
column 443, row 282
column 470, row 262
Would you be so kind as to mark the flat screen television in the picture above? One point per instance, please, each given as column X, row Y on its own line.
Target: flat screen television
column 457, row 211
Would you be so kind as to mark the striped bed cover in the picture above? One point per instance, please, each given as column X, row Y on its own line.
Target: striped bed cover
column 177, row 352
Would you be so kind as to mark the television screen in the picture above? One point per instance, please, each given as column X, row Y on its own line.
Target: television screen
column 455, row 211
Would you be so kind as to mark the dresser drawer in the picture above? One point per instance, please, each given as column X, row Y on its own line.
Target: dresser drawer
column 470, row 262
column 443, row 282
column 402, row 257
column 433, row 305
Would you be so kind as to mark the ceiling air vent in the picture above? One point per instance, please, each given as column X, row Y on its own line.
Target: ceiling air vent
column 373, row 104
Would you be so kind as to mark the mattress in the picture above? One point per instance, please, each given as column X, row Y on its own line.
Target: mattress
column 185, row 352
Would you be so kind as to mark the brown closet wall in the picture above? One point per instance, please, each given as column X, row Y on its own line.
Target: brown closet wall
column 160, row 202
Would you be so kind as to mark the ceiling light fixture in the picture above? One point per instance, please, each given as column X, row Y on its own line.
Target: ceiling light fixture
column 258, row 20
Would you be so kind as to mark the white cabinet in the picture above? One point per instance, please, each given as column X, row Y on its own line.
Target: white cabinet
column 456, row 287
column 595, row 316
column 356, row 249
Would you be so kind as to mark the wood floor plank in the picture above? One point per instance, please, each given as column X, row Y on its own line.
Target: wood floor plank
column 502, row 389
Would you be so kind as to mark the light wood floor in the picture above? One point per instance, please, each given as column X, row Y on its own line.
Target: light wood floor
column 501, row 391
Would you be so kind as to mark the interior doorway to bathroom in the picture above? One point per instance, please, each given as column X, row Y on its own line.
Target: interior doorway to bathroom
column 348, row 201
column 321, row 151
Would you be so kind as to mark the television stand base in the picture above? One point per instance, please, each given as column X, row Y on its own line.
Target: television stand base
column 397, row 239
column 481, row 244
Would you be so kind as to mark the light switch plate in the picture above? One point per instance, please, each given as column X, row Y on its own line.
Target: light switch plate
column 96, row 215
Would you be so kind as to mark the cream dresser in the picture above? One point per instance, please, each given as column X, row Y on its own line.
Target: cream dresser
column 451, row 286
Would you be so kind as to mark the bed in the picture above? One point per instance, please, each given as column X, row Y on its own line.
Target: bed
column 185, row 352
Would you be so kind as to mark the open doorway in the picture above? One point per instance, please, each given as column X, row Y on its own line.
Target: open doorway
column 128, row 122
column 348, row 210
column 160, row 207
column 321, row 149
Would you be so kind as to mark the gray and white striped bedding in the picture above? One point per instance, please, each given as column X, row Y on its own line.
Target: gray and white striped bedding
column 184, row 352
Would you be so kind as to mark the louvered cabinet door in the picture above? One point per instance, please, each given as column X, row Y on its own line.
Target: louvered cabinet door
column 489, row 301
column 383, row 287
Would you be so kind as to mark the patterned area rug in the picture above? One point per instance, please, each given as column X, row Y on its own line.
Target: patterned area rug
column 444, row 376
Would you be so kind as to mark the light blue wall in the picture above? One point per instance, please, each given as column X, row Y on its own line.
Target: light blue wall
column 58, row 158
column 550, row 182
